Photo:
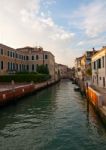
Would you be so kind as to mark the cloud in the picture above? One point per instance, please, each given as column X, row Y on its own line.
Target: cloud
column 80, row 43
column 90, row 18
column 49, row 2
column 22, row 23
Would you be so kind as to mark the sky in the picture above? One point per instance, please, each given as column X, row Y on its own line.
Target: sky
column 67, row 28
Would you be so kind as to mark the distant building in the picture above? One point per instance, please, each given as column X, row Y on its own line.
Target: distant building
column 63, row 70
column 83, row 70
column 37, row 56
column 57, row 73
column 25, row 60
column 86, row 68
column 78, row 73
column 72, row 73
column 99, row 68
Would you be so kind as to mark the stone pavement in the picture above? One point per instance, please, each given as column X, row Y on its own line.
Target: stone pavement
column 9, row 86
column 100, row 90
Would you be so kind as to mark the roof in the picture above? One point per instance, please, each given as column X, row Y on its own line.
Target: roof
column 6, row 47
column 99, row 51
column 27, row 47
column 38, row 50
column 62, row 65
column 79, row 58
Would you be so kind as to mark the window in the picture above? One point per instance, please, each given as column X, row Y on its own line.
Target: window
column 27, row 58
column 8, row 66
column 17, row 67
column 37, row 57
column 19, row 56
column 13, row 66
column 27, row 68
column 104, row 84
column 103, row 61
column 22, row 57
column 32, row 67
column 20, row 67
column 94, row 65
column 13, row 54
column 93, row 78
column 79, row 69
column 99, row 63
column 24, row 67
column 8, row 53
column 32, row 57
column 16, row 55
column 1, row 51
column 1, row 65
column 46, row 56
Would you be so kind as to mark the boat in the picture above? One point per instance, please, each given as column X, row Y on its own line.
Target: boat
column 77, row 89
column 73, row 82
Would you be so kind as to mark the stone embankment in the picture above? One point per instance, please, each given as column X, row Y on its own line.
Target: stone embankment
column 11, row 93
column 97, row 97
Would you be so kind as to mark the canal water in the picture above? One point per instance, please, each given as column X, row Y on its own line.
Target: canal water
column 57, row 118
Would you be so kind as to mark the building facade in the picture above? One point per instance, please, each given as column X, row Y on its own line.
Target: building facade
column 57, row 73
column 25, row 60
column 78, row 73
column 83, row 69
column 99, row 68
column 63, row 70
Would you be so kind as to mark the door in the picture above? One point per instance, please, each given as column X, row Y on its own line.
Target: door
column 97, row 79
column 103, row 81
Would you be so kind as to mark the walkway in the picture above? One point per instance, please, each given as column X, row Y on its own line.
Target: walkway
column 99, row 90
column 7, row 86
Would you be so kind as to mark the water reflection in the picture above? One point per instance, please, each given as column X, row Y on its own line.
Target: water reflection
column 40, row 106
column 55, row 118
column 93, row 120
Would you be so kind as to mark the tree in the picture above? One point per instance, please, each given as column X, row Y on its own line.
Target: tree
column 43, row 69
column 89, row 72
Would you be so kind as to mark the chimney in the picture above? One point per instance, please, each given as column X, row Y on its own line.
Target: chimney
column 93, row 50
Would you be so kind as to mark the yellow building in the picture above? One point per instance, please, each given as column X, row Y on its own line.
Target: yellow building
column 83, row 66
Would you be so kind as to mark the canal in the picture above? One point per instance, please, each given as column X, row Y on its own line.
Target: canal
column 57, row 118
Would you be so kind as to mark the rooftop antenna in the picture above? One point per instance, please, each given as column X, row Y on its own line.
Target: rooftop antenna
column 93, row 49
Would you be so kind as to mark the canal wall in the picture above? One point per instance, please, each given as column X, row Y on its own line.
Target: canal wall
column 81, row 84
column 98, row 100
column 15, row 93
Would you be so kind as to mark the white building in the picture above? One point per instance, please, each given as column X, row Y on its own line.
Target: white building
column 99, row 68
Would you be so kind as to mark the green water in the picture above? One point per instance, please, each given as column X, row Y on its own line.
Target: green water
column 56, row 118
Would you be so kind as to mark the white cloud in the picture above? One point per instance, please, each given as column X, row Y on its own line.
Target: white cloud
column 49, row 2
column 22, row 25
column 91, row 18
column 80, row 43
